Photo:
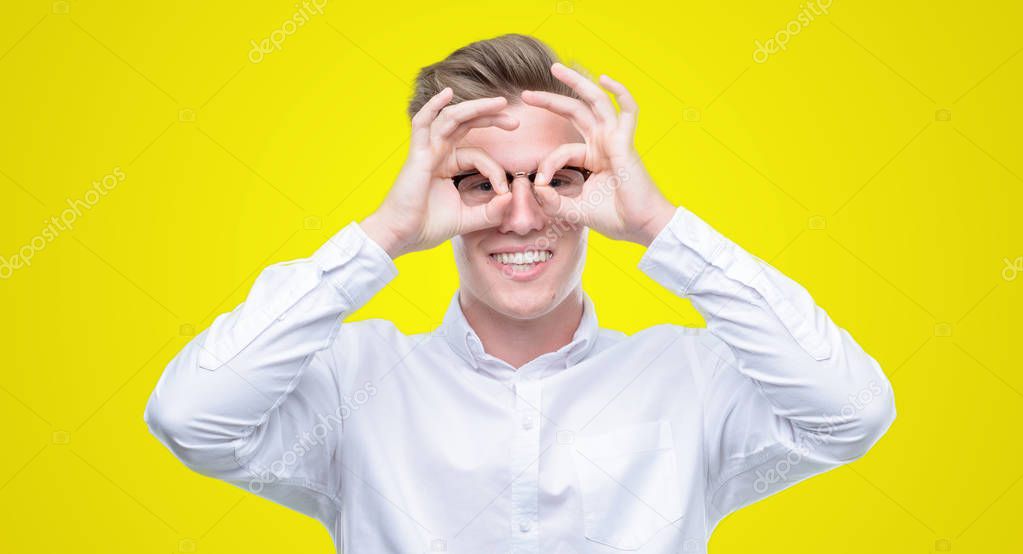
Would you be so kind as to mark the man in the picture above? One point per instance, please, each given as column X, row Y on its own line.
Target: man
column 520, row 425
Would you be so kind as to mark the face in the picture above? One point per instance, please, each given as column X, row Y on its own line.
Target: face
column 486, row 268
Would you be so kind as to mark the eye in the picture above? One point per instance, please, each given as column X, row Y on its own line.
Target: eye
column 568, row 181
column 479, row 185
column 474, row 183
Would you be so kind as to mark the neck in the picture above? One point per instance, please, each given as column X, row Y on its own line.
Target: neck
column 517, row 341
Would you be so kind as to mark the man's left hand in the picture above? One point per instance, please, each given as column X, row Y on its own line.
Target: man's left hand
column 619, row 199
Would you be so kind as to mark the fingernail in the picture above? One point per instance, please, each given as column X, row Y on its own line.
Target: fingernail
column 540, row 179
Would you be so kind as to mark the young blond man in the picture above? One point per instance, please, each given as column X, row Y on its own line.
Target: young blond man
column 520, row 425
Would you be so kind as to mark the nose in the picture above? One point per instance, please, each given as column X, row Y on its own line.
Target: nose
column 525, row 214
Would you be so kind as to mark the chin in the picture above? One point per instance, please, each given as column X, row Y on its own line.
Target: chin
column 521, row 302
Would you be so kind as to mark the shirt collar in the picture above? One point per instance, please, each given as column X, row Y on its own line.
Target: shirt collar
column 466, row 343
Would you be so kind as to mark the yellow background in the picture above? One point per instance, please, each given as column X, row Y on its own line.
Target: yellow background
column 834, row 160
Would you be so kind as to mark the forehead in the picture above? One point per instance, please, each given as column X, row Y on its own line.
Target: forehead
column 539, row 132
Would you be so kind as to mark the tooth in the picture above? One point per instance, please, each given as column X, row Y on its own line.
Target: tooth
column 523, row 260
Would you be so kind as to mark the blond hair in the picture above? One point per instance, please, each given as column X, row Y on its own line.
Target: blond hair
column 500, row 66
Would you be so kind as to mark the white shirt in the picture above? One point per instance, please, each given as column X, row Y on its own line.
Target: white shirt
column 425, row 443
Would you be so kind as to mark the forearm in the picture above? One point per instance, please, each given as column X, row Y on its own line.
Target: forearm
column 812, row 372
column 224, row 383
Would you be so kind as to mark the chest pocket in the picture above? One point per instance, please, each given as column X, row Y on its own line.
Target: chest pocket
column 629, row 482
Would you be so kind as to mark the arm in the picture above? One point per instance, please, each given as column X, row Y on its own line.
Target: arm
column 249, row 390
column 787, row 393
column 256, row 399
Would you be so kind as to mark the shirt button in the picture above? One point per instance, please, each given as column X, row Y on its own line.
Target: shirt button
column 527, row 423
column 525, row 526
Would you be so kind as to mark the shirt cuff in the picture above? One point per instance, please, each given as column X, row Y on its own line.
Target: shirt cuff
column 355, row 264
column 682, row 250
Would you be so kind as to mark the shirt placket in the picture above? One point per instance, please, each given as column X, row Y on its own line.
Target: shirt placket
column 526, row 468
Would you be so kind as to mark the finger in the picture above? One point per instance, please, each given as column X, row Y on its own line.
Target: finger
column 567, row 154
column 486, row 216
column 501, row 120
column 588, row 90
column 467, row 159
column 630, row 109
column 574, row 110
column 424, row 117
column 453, row 116
column 558, row 206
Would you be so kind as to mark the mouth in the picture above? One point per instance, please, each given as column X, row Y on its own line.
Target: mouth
column 523, row 265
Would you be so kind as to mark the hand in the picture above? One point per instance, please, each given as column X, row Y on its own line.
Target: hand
column 423, row 208
column 619, row 200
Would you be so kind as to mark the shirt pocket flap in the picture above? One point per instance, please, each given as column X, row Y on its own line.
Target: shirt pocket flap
column 629, row 484
column 638, row 437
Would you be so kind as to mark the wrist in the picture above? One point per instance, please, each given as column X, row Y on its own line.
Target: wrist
column 382, row 235
column 653, row 227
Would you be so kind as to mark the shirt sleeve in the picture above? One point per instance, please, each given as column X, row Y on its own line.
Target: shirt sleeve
column 255, row 399
column 786, row 393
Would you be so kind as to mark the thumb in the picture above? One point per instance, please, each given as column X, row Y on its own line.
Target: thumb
column 487, row 215
column 557, row 205
column 562, row 207
column 549, row 199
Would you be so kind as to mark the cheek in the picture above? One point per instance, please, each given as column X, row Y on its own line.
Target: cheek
column 578, row 240
column 459, row 248
column 571, row 237
column 466, row 250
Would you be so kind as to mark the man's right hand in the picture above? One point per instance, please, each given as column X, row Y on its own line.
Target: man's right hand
column 423, row 209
